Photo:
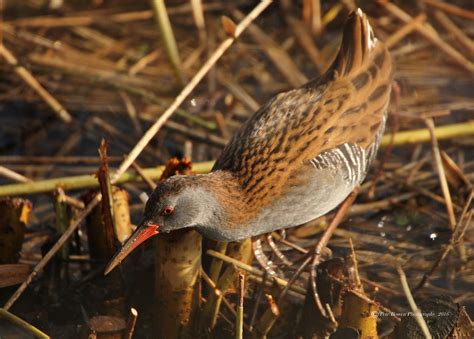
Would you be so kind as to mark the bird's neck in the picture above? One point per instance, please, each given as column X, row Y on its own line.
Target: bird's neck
column 223, row 205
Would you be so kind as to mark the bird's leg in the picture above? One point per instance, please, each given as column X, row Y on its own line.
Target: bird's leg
column 277, row 252
column 313, row 256
column 341, row 212
column 266, row 263
column 269, row 271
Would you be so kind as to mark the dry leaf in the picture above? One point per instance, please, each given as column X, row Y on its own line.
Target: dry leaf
column 229, row 26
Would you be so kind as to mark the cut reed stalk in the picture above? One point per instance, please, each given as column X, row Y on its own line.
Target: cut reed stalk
column 62, row 223
column 177, row 274
column 14, row 215
column 239, row 320
column 52, row 252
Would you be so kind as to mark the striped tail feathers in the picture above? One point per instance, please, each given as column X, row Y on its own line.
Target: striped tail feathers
column 357, row 42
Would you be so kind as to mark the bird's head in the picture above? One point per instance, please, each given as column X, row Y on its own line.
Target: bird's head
column 176, row 203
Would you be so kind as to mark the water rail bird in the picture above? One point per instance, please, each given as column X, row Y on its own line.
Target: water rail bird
column 296, row 158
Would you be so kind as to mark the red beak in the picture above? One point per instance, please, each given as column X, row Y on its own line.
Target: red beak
column 142, row 233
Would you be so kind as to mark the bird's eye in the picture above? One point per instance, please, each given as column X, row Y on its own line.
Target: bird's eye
column 167, row 210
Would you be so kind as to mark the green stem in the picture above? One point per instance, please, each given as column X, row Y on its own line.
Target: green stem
column 216, row 264
column 168, row 37
column 23, row 324
column 423, row 135
column 87, row 181
column 90, row 181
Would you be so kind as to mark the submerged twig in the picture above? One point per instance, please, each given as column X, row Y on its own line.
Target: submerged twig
column 57, row 108
column 416, row 311
column 441, row 174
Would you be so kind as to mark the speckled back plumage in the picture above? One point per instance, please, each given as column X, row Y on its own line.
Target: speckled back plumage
column 346, row 106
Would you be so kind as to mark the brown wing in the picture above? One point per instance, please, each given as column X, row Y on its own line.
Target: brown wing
column 347, row 105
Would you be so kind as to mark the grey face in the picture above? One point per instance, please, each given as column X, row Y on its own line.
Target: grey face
column 171, row 207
